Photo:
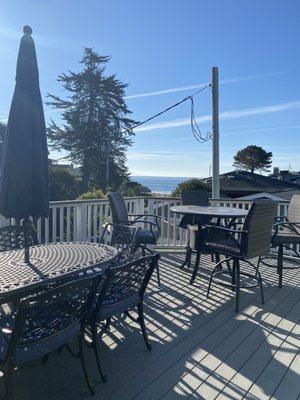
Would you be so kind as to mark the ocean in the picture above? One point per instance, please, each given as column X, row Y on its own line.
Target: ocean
column 159, row 184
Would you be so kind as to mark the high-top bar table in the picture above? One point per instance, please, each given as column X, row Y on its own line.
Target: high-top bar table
column 210, row 211
column 49, row 262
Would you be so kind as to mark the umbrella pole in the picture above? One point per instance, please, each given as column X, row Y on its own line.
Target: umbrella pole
column 27, row 226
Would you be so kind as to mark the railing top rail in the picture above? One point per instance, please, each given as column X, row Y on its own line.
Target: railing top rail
column 156, row 198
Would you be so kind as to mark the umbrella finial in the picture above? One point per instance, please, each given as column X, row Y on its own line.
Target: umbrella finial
column 27, row 30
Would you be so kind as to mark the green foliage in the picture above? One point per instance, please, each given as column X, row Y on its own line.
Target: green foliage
column 92, row 194
column 131, row 189
column 63, row 185
column 253, row 158
column 94, row 116
column 191, row 184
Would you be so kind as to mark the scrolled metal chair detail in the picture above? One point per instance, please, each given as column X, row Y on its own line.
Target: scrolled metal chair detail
column 144, row 237
column 123, row 238
column 127, row 284
column 12, row 237
column 44, row 321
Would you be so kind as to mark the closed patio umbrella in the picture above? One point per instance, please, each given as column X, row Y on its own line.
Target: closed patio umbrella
column 24, row 167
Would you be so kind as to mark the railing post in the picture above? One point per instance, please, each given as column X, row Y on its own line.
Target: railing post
column 81, row 223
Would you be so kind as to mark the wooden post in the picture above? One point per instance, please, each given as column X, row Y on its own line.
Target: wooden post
column 215, row 134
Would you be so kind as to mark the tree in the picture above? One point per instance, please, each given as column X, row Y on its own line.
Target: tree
column 92, row 194
column 253, row 158
column 63, row 185
column 94, row 117
column 191, row 184
column 131, row 189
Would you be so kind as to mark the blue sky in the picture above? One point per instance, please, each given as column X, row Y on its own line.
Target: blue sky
column 162, row 48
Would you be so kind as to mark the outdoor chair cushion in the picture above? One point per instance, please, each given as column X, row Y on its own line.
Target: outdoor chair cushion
column 145, row 236
column 109, row 309
column 226, row 247
column 36, row 349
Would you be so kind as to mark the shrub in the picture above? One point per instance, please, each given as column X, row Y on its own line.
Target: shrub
column 191, row 184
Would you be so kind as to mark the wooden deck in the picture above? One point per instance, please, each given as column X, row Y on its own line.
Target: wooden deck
column 201, row 348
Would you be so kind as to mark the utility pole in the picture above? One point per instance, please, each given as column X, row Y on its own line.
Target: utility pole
column 215, row 134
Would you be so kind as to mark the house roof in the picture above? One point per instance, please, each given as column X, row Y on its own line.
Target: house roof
column 245, row 182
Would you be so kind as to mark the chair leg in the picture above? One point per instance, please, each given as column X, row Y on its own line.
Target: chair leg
column 143, row 326
column 237, row 286
column 9, row 395
column 187, row 259
column 158, row 275
column 97, row 353
column 81, row 356
column 196, row 268
column 280, row 265
column 107, row 324
column 216, row 268
column 218, row 258
column 233, row 275
column 260, row 282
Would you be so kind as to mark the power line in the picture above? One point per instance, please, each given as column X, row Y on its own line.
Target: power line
column 195, row 128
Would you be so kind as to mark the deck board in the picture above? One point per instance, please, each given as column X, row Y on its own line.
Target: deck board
column 201, row 348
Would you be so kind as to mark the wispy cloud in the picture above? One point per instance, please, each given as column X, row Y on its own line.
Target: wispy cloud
column 200, row 85
column 233, row 114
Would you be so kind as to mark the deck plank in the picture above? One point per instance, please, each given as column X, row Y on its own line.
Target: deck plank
column 201, row 348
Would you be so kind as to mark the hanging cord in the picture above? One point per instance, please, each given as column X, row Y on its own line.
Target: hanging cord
column 194, row 125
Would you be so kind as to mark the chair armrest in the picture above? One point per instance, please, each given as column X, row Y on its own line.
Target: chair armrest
column 144, row 221
column 280, row 218
column 138, row 216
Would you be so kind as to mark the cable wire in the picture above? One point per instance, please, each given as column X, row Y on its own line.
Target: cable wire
column 194, row 125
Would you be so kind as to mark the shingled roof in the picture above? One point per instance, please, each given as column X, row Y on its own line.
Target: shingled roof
column 242, row 183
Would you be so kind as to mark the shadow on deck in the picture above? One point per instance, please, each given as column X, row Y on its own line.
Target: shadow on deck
column 201, row 348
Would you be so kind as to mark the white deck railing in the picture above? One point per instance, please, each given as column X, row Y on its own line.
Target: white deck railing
column 83, row 220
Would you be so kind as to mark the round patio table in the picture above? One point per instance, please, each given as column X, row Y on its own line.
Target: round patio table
column 211, row 211
column 50, row 262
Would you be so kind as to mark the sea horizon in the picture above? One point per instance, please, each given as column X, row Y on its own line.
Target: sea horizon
column 160, row 184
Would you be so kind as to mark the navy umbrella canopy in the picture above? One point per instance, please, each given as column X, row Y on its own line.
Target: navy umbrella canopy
column 24, row 167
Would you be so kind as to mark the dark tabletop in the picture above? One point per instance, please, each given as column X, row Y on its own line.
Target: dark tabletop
column 212, row 211
column 49, row 262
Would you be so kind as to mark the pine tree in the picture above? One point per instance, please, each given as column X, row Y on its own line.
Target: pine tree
column 253, row 158
column 94, row 117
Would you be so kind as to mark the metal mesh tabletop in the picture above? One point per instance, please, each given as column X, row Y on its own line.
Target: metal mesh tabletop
column 49, row 261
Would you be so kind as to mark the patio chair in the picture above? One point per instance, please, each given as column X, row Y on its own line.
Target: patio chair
column 252, row 241
column 287, row 236
column 123, row 238
column 45, row 321
column 189, row 222
column 144, row 237
column 126, row 290
column 12, row 237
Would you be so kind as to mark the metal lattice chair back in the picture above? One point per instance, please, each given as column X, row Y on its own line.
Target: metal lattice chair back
column 258, row 224
column 51, row 312
column 294, row 210
column 118, row 208
column 194, row 197
column 12, row 237
column 121, row 237
column 130, row 280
